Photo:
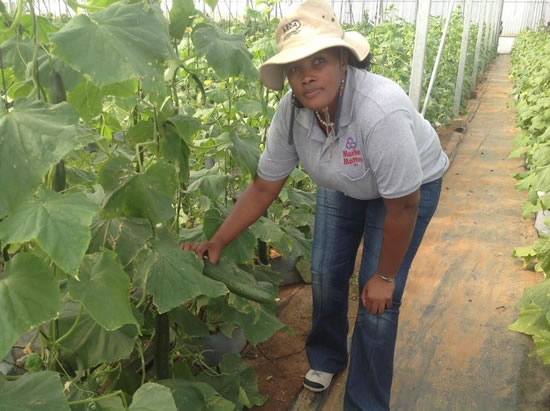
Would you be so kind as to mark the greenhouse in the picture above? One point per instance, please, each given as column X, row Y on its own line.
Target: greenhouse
column 216, row 205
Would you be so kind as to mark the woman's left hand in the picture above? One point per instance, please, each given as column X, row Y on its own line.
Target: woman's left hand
column 377, row 295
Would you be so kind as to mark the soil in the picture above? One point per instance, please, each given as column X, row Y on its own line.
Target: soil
column 281, row 362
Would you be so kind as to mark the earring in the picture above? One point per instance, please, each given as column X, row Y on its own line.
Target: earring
column 341, row 87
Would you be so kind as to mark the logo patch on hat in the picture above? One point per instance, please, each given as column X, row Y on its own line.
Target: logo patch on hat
column 291, row 28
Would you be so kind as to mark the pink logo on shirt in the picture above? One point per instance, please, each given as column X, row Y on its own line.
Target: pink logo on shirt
column 352, row 156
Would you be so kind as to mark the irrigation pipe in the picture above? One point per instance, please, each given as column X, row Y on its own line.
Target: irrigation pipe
column 438, row 58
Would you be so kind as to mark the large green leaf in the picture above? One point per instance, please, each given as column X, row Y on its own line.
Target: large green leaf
column 226, row 53
column 189, row 324
column 226, row 384
column 141, row 132
column 60, row 223
column 255, row 328
column 542, row 248
column 542, row 182
column 190, row 395
column 174, row 148
column 17, row 52
column 33, row 137
column 192, row 235
column 29, row 295
column 186, row 127
column 181, row 17
column 208, row 182
column 153, row 397
column 124, row 236
column 246, row 151
column 43, row 27
column 101, row 279
column 147, row 195
column 267, row 230
column 240, row 282
column 118, row 43
column 87, row 98
column 249, row 107
column 542, row 342
column 90, row 344
column 294, row 243
column 531, row 320
column 40, row 391
column 301, row 198
column 48, row 63
column 240, row 249
column 537, row 294
column 174, row 276
column 115, row 172
column 248, row 380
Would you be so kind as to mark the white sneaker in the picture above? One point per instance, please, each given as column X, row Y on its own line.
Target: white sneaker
column 317, row 381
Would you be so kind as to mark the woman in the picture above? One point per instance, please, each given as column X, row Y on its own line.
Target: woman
column 378, row 166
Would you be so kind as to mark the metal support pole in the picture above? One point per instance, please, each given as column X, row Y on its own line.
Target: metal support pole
column 419, row 54
column 498, row 20
column 478, row 43
column 500, row 13
column 438, row 58
column 463, row 55
column 496, row 33
column 487, row 34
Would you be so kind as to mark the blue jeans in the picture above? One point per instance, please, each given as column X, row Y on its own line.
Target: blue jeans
column 340, row 222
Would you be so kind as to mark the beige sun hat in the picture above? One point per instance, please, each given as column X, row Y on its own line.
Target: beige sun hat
column 312, row 27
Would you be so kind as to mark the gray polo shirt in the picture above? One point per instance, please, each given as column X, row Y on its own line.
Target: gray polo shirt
column 384, row 147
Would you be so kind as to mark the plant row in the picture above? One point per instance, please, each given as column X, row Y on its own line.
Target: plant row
column 531, row 76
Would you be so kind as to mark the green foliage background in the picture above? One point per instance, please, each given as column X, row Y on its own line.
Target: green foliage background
column 531, row 76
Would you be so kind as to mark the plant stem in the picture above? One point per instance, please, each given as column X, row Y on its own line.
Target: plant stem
column 96, row 399
column 156, row 128
column 174, row 88
column 142, row 358
column 18, row 14
column 35, row 77
column 52, row 354
column 4, row 82
column 73, row 327
column 138, row 152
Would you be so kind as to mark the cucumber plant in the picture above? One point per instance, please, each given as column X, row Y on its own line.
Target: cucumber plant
column 531, row 76
column 101, row 149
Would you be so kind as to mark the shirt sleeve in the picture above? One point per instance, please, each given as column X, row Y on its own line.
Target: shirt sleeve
column 278, row 158
column 393, row 155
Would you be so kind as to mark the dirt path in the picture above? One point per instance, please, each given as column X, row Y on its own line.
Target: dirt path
column 454, row 350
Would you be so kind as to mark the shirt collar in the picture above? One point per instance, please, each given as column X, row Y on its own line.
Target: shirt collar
column 346, row 115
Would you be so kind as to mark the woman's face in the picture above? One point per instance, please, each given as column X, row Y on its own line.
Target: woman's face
column 315, row 80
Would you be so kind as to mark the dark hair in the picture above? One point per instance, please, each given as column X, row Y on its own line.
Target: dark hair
column 365, row 64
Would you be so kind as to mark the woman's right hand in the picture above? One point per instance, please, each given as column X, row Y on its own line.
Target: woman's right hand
column 211, row 249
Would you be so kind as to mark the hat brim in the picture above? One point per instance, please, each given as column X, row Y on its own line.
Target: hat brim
column 272, row 72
